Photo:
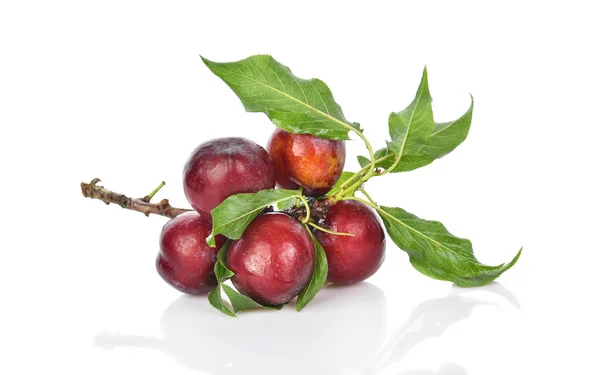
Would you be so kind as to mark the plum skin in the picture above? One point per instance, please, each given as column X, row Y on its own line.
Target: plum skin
column 223, row 167
column 273, row 260
column 185, row 260
column 352, row 259
column 305, row 160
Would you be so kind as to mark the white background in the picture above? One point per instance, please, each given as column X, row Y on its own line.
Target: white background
column 116, row 90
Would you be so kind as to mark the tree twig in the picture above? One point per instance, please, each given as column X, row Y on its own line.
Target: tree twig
column 143, row 205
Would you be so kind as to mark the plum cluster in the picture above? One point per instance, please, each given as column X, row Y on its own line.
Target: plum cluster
column 274, row 259
column 279, row 244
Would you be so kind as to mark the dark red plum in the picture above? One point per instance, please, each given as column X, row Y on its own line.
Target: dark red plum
column 273, row 260
column 305, row 160
column 352, row 259
column 226, row 166
column 185, row 260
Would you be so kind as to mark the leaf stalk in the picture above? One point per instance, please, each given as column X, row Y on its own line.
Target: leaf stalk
column 330, row 231
column 307, row 206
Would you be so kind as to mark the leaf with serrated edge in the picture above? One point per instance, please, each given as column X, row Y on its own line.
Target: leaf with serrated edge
column 418, row 147
column 446, row 136
column 435, row 252
column 214, row 297
column 293, row 104
column 318, row 278
column 410, row 127
column 235, row 213
column 407, row 163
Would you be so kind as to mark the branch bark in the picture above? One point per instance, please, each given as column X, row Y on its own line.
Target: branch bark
column 143, row 205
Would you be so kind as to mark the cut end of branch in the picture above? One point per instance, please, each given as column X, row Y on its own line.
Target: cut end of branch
column 143, row 205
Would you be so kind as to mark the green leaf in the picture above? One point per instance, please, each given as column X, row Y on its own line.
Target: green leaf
column 446, row 136
column 363, row 161
column 435, row 252
column 318, row 278
column 223, row 273
column 214, row 297
column 343, row 178
column 286, row 204
column 416, row 138
column 386, row 160
column 239, row 301
column 293, row 104
column 235, row 213
column 410, row 127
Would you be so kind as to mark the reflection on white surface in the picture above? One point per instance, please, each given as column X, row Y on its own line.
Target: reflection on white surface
column 430, row 319
column 342, row 332
column 342, row 328
column 448, row 368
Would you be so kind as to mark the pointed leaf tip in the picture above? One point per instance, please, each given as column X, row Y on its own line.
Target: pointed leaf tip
column 416, row 139
column 240, row 302
column 210, row 240
column 437, row 253
column 319, row 276
column 214, row 298
column 293, row 104
column 204, row 60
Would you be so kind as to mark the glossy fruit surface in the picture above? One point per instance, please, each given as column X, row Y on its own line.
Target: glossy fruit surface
column 273, row 260
column 352, row 259
column 307, row 161
column 225, row 166
column 185, row 260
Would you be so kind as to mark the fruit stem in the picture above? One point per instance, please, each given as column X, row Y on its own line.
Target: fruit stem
column 391, row 168
column 362, row 176
column 373, row 205
column 369, row 148
column 362, row 190
column 307, row 206
column 301, row 191
column 163, row 208
column 330, row 231
column 352, row 178
column 149, row 197
column 352, row 188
